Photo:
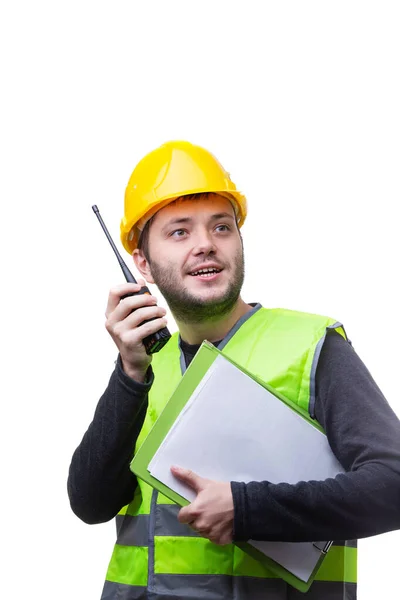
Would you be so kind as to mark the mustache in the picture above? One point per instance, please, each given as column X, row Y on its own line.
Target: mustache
column 204, row 265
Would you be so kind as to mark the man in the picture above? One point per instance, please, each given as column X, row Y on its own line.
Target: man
column 181, row 223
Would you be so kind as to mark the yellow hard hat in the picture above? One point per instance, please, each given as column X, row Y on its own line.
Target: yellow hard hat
column 173, row 170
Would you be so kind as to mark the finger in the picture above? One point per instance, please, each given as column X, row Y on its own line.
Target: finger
column 128, row 305
column 191, row 479
column 129, row 317
column 137, row 326
column 114, row 296
column 221, row 540
column 141, row 315
column 187, row 515
column 132, row 336
column 200, row 527
column 142, row 283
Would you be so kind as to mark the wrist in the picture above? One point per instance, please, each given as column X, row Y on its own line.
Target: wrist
column 134, row 376
column 137, row 375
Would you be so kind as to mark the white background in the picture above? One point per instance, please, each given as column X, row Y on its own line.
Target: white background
column 300, row 102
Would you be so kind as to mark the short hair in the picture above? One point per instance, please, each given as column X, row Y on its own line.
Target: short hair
column 143, row 243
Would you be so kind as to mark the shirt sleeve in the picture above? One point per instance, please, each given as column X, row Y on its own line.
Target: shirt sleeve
column 364, row 434
column 100, row 482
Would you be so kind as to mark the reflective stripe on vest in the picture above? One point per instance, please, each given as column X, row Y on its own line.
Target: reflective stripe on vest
column 154, row 552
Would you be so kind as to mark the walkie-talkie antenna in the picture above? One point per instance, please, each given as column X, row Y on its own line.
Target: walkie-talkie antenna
column 128, row 275
column 155, row 341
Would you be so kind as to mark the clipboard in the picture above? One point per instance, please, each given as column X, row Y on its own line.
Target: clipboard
column 210, row 367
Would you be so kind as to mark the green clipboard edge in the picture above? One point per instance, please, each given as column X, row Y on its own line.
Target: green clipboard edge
column 202, row 361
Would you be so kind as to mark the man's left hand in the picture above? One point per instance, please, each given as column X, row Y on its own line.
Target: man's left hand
column 211, row 513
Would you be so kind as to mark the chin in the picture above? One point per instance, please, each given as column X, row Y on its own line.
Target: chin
column 210, row 297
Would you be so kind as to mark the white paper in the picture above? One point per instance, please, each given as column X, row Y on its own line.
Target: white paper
column 233, row 429
column 300, row 558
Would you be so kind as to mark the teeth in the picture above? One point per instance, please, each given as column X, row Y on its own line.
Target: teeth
column 205, row 271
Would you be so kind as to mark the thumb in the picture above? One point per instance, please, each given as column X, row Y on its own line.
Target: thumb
column 187, row 476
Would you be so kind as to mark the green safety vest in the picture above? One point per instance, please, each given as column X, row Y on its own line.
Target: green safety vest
column 158, row 558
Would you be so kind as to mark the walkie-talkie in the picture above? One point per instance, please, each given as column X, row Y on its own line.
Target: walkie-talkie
column 154, row 342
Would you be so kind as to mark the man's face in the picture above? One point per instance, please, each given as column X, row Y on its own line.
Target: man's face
column 185, row 239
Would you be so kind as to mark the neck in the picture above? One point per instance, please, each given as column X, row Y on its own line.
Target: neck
column 196, row 333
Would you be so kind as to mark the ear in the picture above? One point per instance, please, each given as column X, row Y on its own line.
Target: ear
column 142, row 265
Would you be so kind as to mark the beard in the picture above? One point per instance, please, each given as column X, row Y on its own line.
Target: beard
column 188, row 308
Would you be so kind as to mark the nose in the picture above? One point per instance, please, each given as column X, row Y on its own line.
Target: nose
column 203, row 243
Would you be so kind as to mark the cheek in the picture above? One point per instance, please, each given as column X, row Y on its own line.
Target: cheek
column 168, row 265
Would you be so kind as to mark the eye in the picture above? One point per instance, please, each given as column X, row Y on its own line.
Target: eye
column 222, row 228
column 178, row 233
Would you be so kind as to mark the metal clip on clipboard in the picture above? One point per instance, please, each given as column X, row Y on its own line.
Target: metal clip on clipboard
column 325, row 549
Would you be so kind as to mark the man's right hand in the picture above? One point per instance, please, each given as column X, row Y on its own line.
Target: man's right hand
column 126, row 329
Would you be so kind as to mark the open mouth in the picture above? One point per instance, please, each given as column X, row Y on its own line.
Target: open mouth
column 205, row 272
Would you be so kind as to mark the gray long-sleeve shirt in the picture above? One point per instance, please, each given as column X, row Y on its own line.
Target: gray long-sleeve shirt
column 362, row 429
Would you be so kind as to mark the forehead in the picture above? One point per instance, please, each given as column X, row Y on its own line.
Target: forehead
column 204, row 207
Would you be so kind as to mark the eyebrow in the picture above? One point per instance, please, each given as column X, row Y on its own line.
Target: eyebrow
column 182, row 220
